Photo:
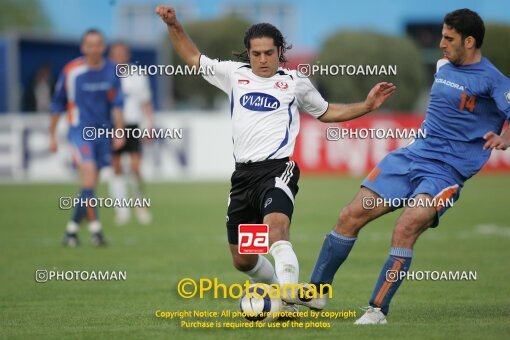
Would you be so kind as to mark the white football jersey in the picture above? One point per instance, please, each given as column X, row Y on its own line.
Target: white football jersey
column 137, row 92
column 264, row 111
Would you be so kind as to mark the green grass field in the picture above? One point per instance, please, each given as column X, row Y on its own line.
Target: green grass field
column 188, row 239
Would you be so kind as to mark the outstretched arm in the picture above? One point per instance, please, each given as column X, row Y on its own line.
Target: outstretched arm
column 497, row 142
column 182, row 43
column 343, row 112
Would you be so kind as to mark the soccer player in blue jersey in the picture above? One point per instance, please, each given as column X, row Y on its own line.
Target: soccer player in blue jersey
column 89, row 90
column 470, row 101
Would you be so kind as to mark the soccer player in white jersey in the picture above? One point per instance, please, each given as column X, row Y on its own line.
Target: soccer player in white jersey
column 138, row 113
column 265, row 101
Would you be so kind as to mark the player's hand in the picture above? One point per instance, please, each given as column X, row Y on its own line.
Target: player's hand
column 378, row 95
column 53, row 144
column 148, row 139
column 495, row 142
column 118, row 143
column 167, row 14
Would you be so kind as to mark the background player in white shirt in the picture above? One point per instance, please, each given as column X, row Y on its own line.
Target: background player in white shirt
column 264, row 102
column 138, row 113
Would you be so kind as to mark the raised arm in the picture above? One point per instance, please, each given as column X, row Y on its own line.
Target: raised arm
column 182, row 43
column 343, row 112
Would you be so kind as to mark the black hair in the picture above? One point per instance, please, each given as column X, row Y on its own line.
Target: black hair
column 91, row 31
column 263, row 30
column 467, row 23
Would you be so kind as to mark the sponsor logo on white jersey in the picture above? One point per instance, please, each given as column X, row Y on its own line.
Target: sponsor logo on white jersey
column 258, row 101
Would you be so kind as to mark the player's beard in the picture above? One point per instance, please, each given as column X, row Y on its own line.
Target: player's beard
column 458, row 56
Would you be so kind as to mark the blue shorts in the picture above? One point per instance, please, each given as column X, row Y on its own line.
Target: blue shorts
column 402, row 175
column 98, row 151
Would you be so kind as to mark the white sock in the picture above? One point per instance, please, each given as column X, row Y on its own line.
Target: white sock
column 286, row 262
column 72, row 227
column 263, row 272
column 95, row 226
column 118, row 189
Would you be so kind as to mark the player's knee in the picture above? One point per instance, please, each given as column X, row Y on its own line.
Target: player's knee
column 117, row 170
column 278, row 226
column 350, row 221
column 407, row 228
column 277, row 231
column 243, row 263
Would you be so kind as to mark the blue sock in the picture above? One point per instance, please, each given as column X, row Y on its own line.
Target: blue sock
column 335, row 250
column 390, row 278
column 81, row 210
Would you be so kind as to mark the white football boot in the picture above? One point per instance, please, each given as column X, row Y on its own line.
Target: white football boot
column 372, row 316
column 144, row 216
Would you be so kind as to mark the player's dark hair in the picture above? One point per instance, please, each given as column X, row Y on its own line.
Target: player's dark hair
column 263, row 30
column 120, row 43
column 91, row 31
column 467, row 23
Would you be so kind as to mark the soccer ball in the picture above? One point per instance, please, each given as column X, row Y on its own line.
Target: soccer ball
column 259, row 303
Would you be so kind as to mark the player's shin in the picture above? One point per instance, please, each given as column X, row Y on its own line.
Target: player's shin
column 334, row 251
column 286, row 264
column 138, row 186
column 263, row 272
column 80, row 210
column 391, row 276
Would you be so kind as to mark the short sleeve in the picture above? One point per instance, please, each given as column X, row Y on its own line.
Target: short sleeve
column 501, row 94
column 440, row 63
column 217, row 72
column 309, row 99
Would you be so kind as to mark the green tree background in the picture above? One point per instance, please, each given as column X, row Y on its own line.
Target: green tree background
column 368, row 48
column 496, row 45
column 24, row 15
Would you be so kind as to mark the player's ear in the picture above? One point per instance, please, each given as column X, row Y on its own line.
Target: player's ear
column 470, row 42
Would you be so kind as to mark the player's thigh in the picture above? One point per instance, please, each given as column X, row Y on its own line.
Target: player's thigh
column 84, row 156
column 88, row 174
column 239, row 210
column 358, row 213
column 103, row 153
column 442, row 185
column 366, row 205
column 279, row 226
column 390, row 179
column 136, row 158
column 116, row 163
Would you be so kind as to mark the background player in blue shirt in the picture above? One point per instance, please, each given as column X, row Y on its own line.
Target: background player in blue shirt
column 89, row 90
column 470, row 101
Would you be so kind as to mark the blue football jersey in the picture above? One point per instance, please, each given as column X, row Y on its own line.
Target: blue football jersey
column 466, row 102
column 88, row 95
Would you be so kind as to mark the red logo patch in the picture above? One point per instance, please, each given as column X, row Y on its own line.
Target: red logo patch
column 253, row 238
column 281, row 85
column 243, row 81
